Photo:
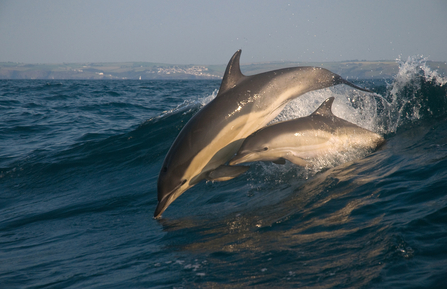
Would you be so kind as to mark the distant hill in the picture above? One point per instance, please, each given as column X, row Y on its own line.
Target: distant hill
column 149, row 70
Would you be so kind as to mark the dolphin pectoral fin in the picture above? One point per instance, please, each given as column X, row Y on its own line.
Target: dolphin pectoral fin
column 225, row 173
column 297, row 160
column 279, row 161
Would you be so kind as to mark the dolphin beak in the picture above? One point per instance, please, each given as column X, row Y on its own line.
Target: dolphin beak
column 162, row 206
column 166, row 200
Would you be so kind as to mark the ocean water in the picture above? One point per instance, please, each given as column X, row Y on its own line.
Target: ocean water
column 79, row 162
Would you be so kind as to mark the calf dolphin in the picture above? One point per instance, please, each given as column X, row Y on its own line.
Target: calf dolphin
column 304, row 138
column 214, row 134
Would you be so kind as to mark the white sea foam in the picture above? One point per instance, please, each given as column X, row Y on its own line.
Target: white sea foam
column 382, row 114
column 379, row 113
column 205, row 100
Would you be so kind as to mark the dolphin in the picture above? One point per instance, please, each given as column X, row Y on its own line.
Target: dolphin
column 301, row 139
column 214, row 134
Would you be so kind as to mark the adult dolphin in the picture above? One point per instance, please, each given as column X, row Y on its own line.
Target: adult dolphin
column 301, row 139
column 214, row 134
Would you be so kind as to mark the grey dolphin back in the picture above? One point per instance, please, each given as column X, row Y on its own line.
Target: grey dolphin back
column 320, row 134
column 213, row 135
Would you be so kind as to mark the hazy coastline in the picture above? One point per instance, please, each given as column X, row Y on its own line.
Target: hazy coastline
column 149, row 70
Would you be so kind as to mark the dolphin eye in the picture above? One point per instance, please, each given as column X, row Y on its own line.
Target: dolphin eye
column 266, row 148
column 183, row 182
column 165, row 169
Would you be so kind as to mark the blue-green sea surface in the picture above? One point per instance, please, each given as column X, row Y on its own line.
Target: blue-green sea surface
column 79, row 162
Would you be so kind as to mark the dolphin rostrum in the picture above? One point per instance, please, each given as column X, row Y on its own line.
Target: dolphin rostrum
column 214, row 134
column 297, row 140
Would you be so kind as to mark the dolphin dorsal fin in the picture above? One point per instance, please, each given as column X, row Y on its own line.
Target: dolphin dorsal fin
column 232, row 74
column 325, row 109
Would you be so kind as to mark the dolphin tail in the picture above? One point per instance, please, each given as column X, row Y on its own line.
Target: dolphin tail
column 343, row 81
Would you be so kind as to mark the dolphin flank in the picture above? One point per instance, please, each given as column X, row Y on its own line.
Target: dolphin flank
column 304, row 138
column 243, row 105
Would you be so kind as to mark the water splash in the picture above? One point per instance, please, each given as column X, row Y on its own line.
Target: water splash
column 417, row 66
column 415, row 94
column 186, row 106
column 205, row 100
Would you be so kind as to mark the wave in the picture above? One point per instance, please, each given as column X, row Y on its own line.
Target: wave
column 415, row 95
column 354, row 223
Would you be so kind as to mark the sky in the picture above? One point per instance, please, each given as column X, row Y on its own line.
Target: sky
column 209, row 32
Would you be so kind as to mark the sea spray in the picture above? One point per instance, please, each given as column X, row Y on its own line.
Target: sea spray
column 416, row 93
column 79, row 213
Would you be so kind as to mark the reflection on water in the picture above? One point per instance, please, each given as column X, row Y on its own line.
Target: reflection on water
column 321, row 230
